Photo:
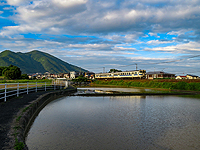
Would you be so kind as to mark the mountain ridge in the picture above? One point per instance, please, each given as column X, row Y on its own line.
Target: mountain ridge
column 36, row 61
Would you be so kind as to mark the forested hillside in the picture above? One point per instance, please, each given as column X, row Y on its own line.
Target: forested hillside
column 36, row 61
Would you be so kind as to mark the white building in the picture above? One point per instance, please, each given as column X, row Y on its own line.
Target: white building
column 73, row 75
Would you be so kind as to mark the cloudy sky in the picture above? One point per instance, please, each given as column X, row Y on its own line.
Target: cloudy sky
column 157, row 35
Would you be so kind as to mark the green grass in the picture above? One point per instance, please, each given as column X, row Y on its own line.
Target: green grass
column 25, row 109
column 18, row 118
column 25, row 81
column 194, row 86
column 18, row 145
column 17, row 127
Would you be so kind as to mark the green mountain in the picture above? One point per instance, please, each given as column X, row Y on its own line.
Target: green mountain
column 36, row 61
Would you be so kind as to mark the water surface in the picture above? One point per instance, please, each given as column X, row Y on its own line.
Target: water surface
column 116, row 123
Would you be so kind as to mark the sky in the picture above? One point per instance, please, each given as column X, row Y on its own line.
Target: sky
column 154, row 35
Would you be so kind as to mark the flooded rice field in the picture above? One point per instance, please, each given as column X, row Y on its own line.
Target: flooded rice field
column 117, row 123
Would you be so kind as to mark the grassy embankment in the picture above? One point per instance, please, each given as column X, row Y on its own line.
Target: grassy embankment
column 192, row 85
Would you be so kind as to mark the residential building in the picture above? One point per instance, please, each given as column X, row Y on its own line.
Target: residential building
column 66, row 75
column 181, row 77
column 74, row 74
column 159, row 75
column 90, row 75
column 189, row 76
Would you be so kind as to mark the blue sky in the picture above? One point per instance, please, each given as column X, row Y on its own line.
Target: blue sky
column 157, row 35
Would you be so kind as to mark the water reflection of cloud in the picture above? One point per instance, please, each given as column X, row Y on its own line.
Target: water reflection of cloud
column 129, row 98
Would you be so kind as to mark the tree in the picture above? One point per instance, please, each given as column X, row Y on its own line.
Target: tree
column 24, row 76
column 114, row 70
column 80, row 78
column 4, row 70
column 12, row 72
column 1, row 70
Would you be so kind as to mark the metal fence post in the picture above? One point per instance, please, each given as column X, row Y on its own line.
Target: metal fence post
column 5, row 93
column 17, row 89
column 27, row 87
column 45, row 88
column 36, row 87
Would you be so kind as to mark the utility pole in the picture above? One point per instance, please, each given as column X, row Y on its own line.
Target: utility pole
column 103, row 69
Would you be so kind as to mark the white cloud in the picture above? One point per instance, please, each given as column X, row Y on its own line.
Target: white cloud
column 81, row 16
column 154, row 34
column 18, row 2
column 69, row 3
column 7, row 8
column 94, row 47
column 12, row 30
column 124, row 49
column 180, row 32
column 106, row 28
column 186, row 48
column 156, row 42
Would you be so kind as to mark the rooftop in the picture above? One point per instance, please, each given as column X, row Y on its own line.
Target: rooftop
column 159, row 72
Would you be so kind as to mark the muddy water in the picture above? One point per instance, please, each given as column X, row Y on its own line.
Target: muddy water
column 116, row 123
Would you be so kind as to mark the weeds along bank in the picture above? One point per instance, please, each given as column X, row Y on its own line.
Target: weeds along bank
column 193, row 85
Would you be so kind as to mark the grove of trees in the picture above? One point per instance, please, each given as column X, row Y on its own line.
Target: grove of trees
column 11, row 72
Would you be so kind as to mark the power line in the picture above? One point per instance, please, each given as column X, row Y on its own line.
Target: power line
column 160, row 62
column 177, row 60
column 164, row 62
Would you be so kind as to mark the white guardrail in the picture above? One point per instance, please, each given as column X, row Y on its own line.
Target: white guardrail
column 12, row 89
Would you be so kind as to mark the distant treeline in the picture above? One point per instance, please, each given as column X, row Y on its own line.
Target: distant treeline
column 194, row 86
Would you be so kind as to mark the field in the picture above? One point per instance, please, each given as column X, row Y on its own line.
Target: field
column 12, row 84
column 2, row 80
column 23, row 85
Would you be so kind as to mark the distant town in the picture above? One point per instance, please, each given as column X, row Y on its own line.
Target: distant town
column 140, row 74
column 70, row 76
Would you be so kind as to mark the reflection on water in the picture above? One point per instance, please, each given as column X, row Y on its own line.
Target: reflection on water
column 112, row 90
column 110, row 123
